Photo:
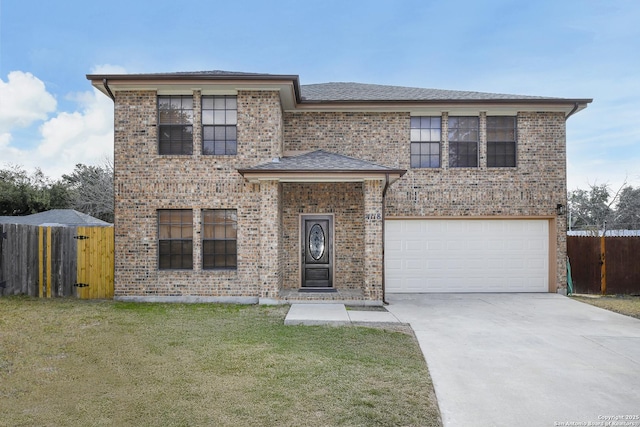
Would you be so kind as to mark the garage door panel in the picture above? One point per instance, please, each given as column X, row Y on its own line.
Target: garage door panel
column 467, row 255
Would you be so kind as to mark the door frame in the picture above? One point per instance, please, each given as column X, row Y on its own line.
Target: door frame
column 301, row 239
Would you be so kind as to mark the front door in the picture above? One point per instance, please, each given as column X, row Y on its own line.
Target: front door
column 317, row 251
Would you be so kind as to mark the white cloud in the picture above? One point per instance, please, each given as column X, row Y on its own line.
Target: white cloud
column 84, row 136
column 64, row 139
column 23, row 100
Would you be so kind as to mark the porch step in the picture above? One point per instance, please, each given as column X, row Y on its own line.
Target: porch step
column 338, row 296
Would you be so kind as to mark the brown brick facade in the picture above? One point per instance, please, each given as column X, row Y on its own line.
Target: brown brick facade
column 268, row 212
column 532, row 189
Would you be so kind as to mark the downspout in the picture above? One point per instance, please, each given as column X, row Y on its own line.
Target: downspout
column 384, row 194
column 572, row 112
column 105, row 82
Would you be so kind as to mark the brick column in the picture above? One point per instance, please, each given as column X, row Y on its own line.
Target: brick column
column 444, row 142
column 482, row 140
column 373, row 239
column 270, row 241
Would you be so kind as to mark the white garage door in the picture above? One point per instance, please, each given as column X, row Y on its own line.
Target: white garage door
column 467, row 255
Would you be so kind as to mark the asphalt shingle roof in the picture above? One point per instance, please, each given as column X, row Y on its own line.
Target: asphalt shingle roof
column 346, row 92
column 320, row 161
column 371, row 92
column 68, row 217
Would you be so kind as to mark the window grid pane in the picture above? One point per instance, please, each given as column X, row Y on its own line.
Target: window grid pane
column 501, row 141
column 425, row 142
column 175, row 244
column 219, row 243
column 175, row 124
column 219, row 120
column 463, row 142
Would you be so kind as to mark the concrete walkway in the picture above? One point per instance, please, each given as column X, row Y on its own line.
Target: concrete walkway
column 526, row 359
column 334, row 314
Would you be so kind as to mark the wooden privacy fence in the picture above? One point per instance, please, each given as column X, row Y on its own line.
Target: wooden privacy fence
column 621, row 259
column 56, row 261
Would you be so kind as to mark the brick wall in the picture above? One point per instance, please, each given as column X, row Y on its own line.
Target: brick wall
column 146, row 182
column 533, row 188
column 375, row 137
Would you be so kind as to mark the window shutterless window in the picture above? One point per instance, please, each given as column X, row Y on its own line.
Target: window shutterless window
column 501, row 141
column 463, row 142
column 219, row 120
column 175, row 124
column 219, row 238
column 175, row 239
column 425, row 142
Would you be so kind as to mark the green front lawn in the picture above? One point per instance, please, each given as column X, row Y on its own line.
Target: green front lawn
column 81, row 363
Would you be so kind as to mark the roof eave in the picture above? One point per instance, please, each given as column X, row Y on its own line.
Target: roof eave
column 326, row 175
column 457, row 106
column 99, row 80
column 567, row 101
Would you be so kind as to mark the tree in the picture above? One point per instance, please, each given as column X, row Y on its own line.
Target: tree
column 24, row 194
column 92, row 189
column 628, row 209
column 597, row 209
column 589, row 210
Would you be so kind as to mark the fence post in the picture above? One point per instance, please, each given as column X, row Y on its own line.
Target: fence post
column 41, row 261
column 603, row 266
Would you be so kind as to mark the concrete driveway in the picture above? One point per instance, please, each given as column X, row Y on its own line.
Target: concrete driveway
column 526, row 359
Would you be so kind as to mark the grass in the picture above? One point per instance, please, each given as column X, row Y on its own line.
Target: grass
column 86, row 363
column 627, row 305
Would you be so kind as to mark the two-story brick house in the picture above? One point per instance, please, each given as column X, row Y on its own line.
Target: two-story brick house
column 254, row 188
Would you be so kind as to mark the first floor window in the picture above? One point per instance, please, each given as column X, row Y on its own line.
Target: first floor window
column 425, row 142
column 175, row 124
column 501, row 141
column 219, row 241
column 463, row 142
column 175, row 239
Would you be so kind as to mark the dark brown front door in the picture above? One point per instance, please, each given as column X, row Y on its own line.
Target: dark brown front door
column 317, row 251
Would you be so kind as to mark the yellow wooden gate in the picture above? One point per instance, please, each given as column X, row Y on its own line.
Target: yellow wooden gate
column 95, row 262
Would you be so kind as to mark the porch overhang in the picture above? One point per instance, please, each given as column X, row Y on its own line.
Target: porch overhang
column 320, row 166
column 319, row 176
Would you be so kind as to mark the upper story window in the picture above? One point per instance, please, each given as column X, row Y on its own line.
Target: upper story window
column 463, row 142
column 501, row 141
column 425, row 142
column 175, row 239
column 219, row 239
column 219, row 120
column 175, row 124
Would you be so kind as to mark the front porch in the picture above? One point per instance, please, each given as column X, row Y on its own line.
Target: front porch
column 321, row 228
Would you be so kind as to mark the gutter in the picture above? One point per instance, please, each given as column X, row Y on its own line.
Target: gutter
column 572, row 112
column 384, row 195
column 105, row 82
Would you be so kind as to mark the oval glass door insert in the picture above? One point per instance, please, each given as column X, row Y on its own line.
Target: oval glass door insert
column 316, row 242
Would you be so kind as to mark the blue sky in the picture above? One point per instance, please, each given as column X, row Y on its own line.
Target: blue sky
column 51, row 118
